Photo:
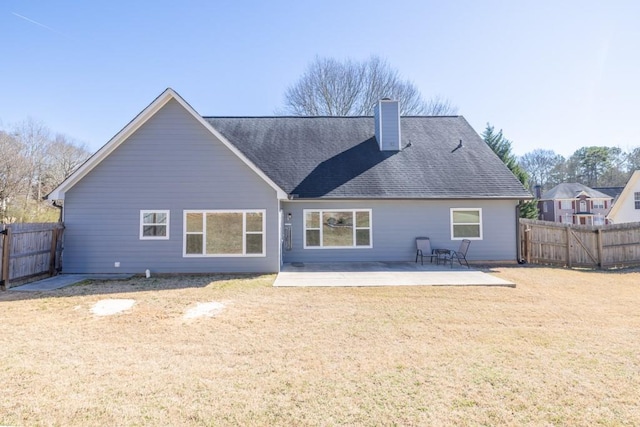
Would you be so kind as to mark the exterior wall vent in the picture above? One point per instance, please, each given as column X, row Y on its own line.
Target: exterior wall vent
column 386, row 114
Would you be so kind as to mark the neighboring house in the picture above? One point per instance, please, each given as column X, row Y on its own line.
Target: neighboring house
column 627, row 206
column 614, row 192
column 574, row 203
column 176, row 192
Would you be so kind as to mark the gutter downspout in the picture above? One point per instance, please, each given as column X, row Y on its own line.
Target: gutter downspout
column 60, row 220
column 59, row 207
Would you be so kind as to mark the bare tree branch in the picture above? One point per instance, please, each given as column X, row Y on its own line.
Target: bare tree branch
column 350, row 88
column 32, row 164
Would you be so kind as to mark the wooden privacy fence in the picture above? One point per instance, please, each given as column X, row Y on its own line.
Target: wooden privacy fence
column 29, row 250
column 602, row 246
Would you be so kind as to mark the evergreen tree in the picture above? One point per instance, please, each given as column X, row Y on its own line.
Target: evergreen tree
column 502, row 147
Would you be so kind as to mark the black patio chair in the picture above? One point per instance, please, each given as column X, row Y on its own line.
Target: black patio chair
column 460, row 254
column 423, row 249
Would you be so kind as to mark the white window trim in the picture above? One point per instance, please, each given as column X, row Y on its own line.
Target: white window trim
column 583, row 204
column 244, row 213
column 142, row 224
column 598, row 203
column 321, row 212
column 479, row 210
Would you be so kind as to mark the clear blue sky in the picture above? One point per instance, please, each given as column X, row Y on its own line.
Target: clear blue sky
column 552, row 74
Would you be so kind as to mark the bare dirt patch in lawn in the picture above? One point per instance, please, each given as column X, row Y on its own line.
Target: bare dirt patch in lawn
column 109, row 307
column 204, row 309
column 561, row 348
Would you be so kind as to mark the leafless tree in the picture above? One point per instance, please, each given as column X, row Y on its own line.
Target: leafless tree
column 350, row 88
column 32, row 164
column 35, row 138
column 633, row 160
column 12, row 172
column 541, row 165
column 438, row 106
column 63, row 156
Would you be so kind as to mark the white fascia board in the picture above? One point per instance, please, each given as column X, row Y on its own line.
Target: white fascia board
column 59, row 192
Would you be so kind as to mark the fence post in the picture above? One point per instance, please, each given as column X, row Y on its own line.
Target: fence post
column 568, row 246
column 6, row 248
column 599, row 239
column 527, row 238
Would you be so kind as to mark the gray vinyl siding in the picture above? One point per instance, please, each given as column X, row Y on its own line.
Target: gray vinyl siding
column 171, row 163
column 396, row 224
column 387, row 122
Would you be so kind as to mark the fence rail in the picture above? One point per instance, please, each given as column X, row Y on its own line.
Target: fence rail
column 603, row 246
column 28, row 251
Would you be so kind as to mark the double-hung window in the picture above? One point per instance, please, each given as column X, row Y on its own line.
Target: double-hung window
column 154, row 225
column 466, row 223
column 337, row 228
column 224, row 233
column 598, row 204
column 566, row 204
column 636, row 199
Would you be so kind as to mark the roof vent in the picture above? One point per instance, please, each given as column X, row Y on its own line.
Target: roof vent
column 387, row 122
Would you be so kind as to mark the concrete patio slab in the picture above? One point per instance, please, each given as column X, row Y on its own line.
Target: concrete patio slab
column 62, row 280
column 382, row 274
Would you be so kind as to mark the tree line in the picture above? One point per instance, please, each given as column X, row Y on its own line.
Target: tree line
column 595, row 166
column 34, row 161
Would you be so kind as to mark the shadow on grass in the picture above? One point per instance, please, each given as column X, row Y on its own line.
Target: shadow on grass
column 495, row 268
column 142, row 284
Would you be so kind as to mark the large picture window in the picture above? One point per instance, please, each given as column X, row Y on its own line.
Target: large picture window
column 466, row 223
column 337, row 228
column 154, row 225
column 224, row 233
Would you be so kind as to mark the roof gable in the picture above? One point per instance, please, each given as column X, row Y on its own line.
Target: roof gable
column 166, row 96
column 632, row 186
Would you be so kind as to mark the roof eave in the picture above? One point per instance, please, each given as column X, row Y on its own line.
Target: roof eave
column 399, row 197
column 59, row 192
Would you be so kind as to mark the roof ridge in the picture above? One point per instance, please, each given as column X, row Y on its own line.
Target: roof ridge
column 322, row 117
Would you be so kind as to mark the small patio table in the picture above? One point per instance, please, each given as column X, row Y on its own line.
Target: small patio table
column 441, row 253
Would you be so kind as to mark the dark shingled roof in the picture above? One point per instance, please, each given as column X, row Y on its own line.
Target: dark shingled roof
column 610, row 191
column 338, row 157
column 570, row 190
